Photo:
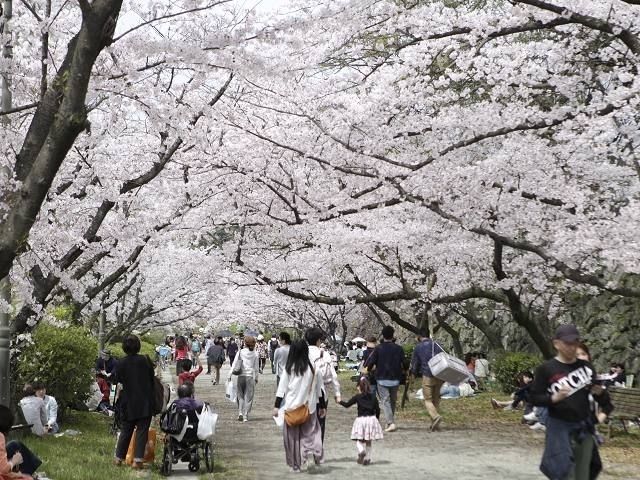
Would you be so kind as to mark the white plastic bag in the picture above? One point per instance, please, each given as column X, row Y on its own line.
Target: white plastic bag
column 206, row 423
column 231, row 392
column 280, row 419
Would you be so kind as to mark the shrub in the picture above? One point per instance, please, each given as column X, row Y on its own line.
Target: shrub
column 145, row 349
column 507, row 366
column 61, row 358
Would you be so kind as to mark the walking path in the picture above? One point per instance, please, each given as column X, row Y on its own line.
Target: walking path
column 253, row 450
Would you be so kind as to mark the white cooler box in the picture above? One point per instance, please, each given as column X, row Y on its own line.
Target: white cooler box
column 448, row 368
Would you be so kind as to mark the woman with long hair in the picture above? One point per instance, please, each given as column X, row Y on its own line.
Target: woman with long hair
column 300, row 384
column 245, row 366
column 181, row 353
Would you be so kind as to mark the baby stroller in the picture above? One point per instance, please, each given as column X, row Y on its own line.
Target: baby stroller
column 181, row 442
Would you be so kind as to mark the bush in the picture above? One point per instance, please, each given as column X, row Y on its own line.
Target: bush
column 145, row 349
column 507, row 366
column 61, row 358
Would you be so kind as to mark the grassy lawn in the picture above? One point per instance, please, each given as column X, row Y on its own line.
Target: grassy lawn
column 476, row 413
column 89, row 455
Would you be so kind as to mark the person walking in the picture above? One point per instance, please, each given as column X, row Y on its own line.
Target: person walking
column 281, row 354
column 273, row 346
column 135, row 374
column 565, row 384
column 388, row 361
column 215, row 359
column 300, row 384
column 424, row 351
column 261, row 349
column 181, row 353
column 246, row 367
column 366, row 426
column 321, row 361
column 232, row 350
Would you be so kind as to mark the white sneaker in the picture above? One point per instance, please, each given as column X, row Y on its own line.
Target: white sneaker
column 538, row 426
column 391, row 428
column 530, row 417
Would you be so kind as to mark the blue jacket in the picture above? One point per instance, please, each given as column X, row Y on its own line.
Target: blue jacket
column 388, row 359
column 423, row 352
column 557, row 459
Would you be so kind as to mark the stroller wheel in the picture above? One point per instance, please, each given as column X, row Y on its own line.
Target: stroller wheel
column 208, row 456
column 194, row 466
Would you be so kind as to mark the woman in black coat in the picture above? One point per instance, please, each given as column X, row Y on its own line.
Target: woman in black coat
column 135, row 373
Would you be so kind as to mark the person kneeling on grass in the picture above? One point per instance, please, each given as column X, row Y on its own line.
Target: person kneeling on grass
column 14, row 455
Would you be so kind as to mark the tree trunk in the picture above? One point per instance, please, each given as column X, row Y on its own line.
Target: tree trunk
column 57, row 122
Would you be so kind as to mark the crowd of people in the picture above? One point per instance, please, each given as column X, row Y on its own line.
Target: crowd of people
column 564, row 396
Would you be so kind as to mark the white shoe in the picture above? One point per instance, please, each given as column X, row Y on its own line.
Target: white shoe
column 538, row 426
column 391, row 428
column 530, row 417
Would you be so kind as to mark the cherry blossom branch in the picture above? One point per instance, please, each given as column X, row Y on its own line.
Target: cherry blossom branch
column 19, row 109
column 625, row 35
column 171, row 15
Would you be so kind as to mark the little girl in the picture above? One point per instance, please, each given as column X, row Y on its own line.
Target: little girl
column 366, row 426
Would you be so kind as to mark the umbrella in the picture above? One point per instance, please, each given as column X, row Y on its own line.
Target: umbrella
column 225, row 333
column 250, row 333
column 358, row 340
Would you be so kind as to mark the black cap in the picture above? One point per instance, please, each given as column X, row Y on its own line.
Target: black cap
column 567, row 333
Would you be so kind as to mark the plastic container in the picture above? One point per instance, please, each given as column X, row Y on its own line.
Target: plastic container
column 448, row 368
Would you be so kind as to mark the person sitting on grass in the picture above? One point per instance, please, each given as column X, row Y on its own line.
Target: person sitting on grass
column 50, row 405
column 34, row 410
column 16, row 460
column 187, row 375
column 521, row 395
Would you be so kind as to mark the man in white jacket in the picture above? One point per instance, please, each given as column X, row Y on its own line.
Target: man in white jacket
column 51, row 408
column 321, row 361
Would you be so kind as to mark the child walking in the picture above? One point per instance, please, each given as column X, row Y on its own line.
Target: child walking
column 366, row 426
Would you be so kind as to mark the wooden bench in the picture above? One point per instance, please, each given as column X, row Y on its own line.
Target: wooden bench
column 626, row 402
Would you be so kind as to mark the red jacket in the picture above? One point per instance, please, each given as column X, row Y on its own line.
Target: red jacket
column 189, row 376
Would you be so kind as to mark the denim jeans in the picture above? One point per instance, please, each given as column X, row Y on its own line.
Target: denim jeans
column 388, row 398
column 30, row 462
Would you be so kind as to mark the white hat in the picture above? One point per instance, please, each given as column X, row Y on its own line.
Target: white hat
column 260, row 337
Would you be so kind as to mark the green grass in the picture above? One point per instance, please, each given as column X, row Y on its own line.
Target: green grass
column 89, row 455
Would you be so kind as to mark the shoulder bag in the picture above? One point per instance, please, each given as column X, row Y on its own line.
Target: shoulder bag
column 299, row 415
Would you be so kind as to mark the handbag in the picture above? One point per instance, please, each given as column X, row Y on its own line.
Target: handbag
column 231, row 391
column 149, row 448
column 299, row 415
column 237, row 370
column 206, row 423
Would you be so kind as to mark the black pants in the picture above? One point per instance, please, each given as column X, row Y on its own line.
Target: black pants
column 322, row 421
column 142, row 432
column 30, row 462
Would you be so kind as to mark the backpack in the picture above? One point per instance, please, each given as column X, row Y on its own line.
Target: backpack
column 325, row 367
column 172, row 420
column 195, row 346
column 274, row 344
column 159, row 393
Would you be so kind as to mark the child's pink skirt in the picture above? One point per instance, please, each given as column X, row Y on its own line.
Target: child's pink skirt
column 366, row 428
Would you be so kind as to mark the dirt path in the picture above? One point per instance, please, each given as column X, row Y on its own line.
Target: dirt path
column 253, row 450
